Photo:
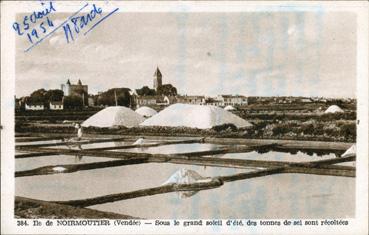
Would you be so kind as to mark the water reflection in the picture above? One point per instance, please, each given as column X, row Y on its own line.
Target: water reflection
column 309, row 152
column 185, row 176
column 174, row 148
column 278, row 196
column 98, row 182
column 78, row 158
column 73, row 145
column 278, row 156
column 22, row 164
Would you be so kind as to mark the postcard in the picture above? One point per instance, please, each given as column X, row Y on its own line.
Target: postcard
column 206, row 117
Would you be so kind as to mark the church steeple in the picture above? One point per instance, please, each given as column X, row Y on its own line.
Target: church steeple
column 79, row 82
column 157, row 78
column 68, row 82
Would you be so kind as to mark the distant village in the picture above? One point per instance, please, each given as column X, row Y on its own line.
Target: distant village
column 76, row 96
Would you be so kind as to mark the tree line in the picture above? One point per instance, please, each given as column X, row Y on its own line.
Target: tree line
column 115, row 96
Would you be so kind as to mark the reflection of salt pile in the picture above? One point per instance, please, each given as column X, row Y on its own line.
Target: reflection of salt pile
column 114, row 116
column 195, row 116
column 229, row 108
column 350, row 152
column 59, row 169
column 333, row 109
column 184, row 176
column 146, row 111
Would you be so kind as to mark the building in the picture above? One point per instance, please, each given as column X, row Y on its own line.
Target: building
column 74, row 89
column 212, row 101
column 306, row 100
column 146, row 100
column 155, row 100
column 56, row 105
column 157, row 79
column 232, row 100
column 91, row 101
column 34, row 106
column 191, row 99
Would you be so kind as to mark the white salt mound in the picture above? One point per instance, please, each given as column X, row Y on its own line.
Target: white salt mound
column 195, row 116
column 333, row 109
column 184, row 176
column 114, row 116
column 146, row 111
column 350, row 152
column 140, row 141
column 229, row 108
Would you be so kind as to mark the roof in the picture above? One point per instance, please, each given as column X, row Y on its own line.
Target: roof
column 149, row 97
column 232, row 96
column 56, row 102
column 157, row 72
column 34, row 103
column 191, row 97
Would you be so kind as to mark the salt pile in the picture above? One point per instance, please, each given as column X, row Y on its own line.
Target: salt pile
column 350, row 152
column 184, row 176
column 140, row 141
column 146, row 111
column 194, row 116
column 333, row 109
column 114, row 116
column 229, row 108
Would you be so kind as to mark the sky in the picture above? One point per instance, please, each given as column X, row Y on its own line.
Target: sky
column 246, row 53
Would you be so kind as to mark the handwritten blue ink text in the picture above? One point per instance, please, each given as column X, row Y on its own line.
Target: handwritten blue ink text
column 36, row 24
column 79, row 22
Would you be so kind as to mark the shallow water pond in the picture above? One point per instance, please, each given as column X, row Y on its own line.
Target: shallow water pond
column 278, row 156
column 23, row 164
column 39, row 142
column 92, row 145
column 173, row 148
column 100, row 145
column 276, row 196
column 353, row 164
column 92, row 183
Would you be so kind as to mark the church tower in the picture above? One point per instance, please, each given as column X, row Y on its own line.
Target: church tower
column 157, row 79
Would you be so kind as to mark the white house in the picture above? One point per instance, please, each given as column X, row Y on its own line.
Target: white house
column 56, row 105
column 34, row 106
column 213, row 101
column 232, row 100
column 305, row 100
column 191, row 99
column 146, row 100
